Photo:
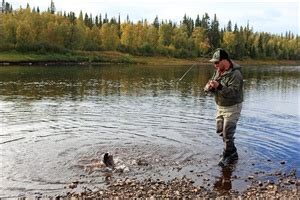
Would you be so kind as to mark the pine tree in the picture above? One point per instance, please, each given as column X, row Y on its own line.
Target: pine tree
column 260, row 46
column 113, row 21
column 72, row 17
column 247, row 38
column 205, row 21
column 96, row 21
column 2, row 6
column 80, row 17
column 105, row 20
column 236, row 28
column 197, row 22
column 156, row 22
column 229, row 26
column 7, row 8
column 214, row 35
column 240, row 44
column 189, row 25
column 119, row 25
column 52, row 7
column 100, row 21
column 86, row 19
column 91, row 23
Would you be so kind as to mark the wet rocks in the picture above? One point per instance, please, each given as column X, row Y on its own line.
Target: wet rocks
column 72, row 185
column 178, row 188
column 270, row 191
column 129, row 188
column 141, row 162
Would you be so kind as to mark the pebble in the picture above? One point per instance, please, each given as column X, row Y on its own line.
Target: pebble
column 282, row 162
column 72, row 185
column 278, row 173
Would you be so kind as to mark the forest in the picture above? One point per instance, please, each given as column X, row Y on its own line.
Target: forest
column 31, row 30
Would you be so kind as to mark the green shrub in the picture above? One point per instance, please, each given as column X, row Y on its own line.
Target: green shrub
column 146, row 50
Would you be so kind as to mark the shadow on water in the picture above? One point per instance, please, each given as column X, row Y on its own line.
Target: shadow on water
column 54, row 118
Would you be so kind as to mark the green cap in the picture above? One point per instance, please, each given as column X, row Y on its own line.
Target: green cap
column 220, row 54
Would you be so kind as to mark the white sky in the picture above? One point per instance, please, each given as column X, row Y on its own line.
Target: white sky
column 274, row 16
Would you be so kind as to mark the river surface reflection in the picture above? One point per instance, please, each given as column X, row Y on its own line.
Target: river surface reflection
column 56, row 119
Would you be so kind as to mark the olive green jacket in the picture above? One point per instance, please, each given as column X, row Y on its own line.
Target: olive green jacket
column 230, row 90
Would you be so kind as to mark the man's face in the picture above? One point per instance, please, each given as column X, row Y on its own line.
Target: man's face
column 219, row 66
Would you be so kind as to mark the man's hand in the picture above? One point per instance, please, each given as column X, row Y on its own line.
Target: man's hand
column 214, row 84
column 211, row 86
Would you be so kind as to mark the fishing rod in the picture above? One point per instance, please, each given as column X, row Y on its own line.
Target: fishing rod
column 186, row 73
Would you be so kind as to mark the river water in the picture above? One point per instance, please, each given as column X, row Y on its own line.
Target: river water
column 56, row 121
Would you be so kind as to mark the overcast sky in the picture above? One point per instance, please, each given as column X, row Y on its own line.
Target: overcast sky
column 274, row 16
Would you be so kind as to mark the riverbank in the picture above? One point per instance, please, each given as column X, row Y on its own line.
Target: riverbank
column 110, row 57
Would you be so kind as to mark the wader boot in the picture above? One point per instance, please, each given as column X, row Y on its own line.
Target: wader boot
column 228, row 158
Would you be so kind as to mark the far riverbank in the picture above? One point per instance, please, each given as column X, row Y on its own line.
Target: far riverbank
column 110, row 57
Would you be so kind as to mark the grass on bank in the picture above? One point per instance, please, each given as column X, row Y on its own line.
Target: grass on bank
column 74, row 57
column 105, row 57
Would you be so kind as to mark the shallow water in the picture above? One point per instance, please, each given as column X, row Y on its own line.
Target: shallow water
column 56, row 120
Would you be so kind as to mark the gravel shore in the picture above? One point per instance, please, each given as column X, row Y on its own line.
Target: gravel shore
column 120, row 184
column 163, row 173
column 184, row 188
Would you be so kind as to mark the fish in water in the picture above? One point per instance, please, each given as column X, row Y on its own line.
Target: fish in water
column 108, row 160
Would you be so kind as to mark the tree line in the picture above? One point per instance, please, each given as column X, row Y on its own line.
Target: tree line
column 50, row 31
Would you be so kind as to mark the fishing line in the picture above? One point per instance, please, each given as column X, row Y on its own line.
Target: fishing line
column 186, row 73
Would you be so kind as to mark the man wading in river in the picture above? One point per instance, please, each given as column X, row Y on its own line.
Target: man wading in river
column 227, row 86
